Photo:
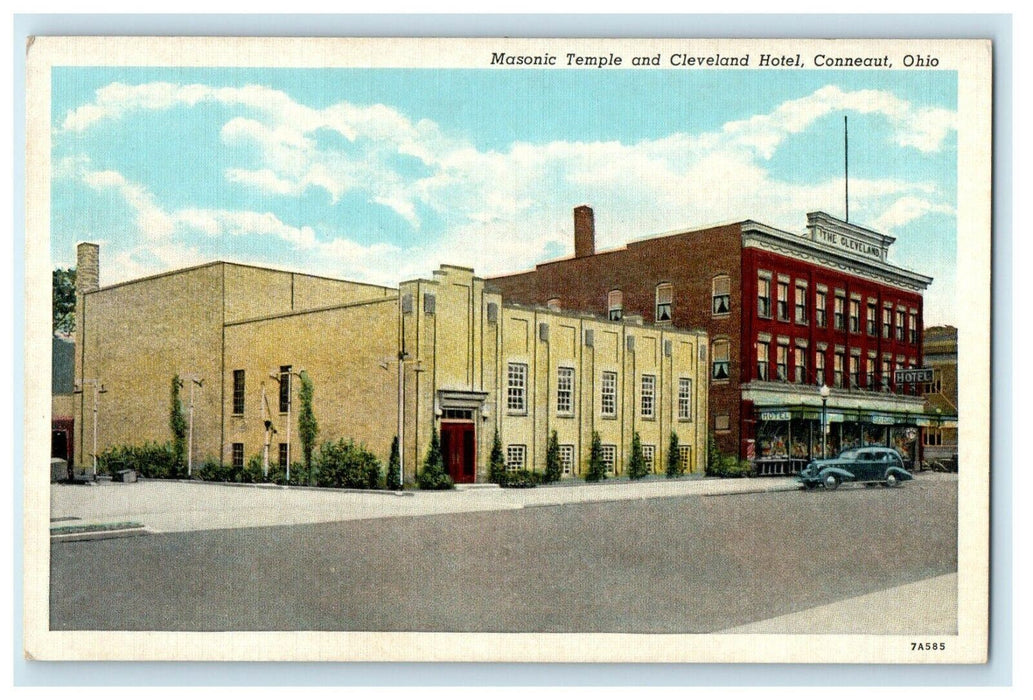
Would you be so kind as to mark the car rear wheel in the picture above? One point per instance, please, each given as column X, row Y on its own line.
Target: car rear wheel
column 831, row 482
column 892, row 481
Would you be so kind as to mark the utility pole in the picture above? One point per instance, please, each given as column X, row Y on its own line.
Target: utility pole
column 194, row 381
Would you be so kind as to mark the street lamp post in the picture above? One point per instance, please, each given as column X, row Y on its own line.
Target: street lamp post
column 98, row 389
column 194, row 381
column 278, row 376
column 824, row 391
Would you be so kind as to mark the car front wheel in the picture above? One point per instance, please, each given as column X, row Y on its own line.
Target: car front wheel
column 892, row 481
column 831, row 482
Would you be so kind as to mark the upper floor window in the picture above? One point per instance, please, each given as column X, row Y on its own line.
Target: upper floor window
column 764, row 295
column 871, row 320
column 801, row 303
column 615, row 303
column 912, row 327
column 565, row 390
column 609, row 394
column 516, row 391
column 782, row 362
column 238, row 392
column 684, row 398
column 900, row 325
column 800, row 365
column 887, row 373
column 855, row 371
column 763, row 357
column 839, row 311
column 648, row 395
column 887, row 322
column 837, row 368
column 855, row 315
column 819, row 367
column 720, row 360
column 869, row 372
column 821, row 305
column 782, row 300
column 285, row 388
column 664, row 299
column 721, row 290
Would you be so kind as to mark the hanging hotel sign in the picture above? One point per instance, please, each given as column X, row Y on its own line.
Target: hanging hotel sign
column 914, row 375
column 775, row 415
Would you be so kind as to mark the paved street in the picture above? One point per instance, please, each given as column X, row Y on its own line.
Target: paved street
column 553, row 561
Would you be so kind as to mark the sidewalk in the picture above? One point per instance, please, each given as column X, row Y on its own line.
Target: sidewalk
column 166, row 506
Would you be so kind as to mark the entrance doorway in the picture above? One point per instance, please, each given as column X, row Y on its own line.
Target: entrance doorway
column 458, row 449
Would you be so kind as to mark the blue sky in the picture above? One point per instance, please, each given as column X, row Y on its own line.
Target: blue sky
column 382, row 175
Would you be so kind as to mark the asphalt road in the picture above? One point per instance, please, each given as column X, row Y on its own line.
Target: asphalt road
column 690, row 564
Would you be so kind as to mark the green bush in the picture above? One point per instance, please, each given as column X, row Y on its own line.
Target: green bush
column 496, row 463
column 521, row 479
column 674, row 466
column 150, row 460
column 553, row 468
column 433, row 477
column 637, row 467
column 343, row 464
column 729, row 466
column 596, row 468
column 393, row 478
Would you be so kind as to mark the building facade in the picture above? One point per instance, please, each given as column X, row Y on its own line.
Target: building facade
column 62, row 400
column 786, row 315
column 446, row 353
column 940, row 436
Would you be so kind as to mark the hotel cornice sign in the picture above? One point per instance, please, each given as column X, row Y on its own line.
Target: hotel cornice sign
column 849, row 243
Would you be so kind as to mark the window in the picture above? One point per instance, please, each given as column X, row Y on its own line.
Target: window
column 800, row 364
column 609, row 394
column 763, row 348
column 855, row 371
column 887, row 322
column 900, row 325
column 722, row 422
column 932, row 437
column 855, row 315
column 565, row 391
column 869, row 372
column 839, row 308
column 932, row 387
column 238, row 392
column 516, row 457
column 720, row 362
column 871, row 320
column 837, row 368
column 615, row 304
column 721, row 290
column 282, row 454
column 912, row 327
column 609, row 456
column 900, row 365
column 648, row 395
column 782, row 361
column 685, row 457
column 764, row 295
column 238, row 455
column 457, row 413
column 819, row 367
column 801, row 303
column 516, row 392
column 285, row 376
column 821, row 305
column 567, row 459
column 684, row 398
column 649, row 456
column 887, row 370
column 782, row 299
column 664, row 299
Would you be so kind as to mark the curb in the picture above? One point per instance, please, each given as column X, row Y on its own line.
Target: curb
column 101, row 535
column 277, row 487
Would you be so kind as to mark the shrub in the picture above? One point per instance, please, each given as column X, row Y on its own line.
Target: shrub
column 729, row 466
column 150, row 460
column 308, row 427
column 178, row 425
column 674, row 465
column 637, row 467
column 343, row 464
column 433, row 477
column 496, row 463
column 596, row 467
column 553, row 468
column 393, row 478
column 521, row 479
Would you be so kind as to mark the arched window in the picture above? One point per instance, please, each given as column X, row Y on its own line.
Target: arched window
column 664, row 299
column 615, row 303
column 720, row 360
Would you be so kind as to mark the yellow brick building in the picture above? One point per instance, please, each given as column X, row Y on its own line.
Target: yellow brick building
column 445, row 353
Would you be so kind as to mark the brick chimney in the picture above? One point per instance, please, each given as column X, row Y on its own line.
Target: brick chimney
column 584, row 231
column 87, row 268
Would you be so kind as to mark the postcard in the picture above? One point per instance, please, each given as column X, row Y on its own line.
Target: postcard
column 544, row 350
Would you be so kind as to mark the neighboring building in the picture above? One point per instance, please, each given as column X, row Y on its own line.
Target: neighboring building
column 471, row 364
column 62, row 386
column 940, row 436
column 786, row 314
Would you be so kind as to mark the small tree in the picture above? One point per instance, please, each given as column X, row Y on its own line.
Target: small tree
column 178, row 424
column 393, row 478
column 308, row 428
column 553, row 468
column 496, row 463
column 433, row 476
column 64, row 300
column 713, row 456
column 674, row 465
column 596, row 467
column 637, row 467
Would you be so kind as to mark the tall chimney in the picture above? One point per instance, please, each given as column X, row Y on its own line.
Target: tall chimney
column 87, row 268
column 584, row 231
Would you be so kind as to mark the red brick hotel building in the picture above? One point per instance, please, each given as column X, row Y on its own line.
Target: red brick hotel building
column 786, row 314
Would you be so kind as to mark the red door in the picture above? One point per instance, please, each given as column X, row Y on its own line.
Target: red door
column 458, row 450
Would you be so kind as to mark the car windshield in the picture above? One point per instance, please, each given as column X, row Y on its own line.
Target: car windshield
column 848, row 454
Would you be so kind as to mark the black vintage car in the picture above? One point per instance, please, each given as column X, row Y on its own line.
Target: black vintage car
column 870, row 465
